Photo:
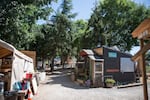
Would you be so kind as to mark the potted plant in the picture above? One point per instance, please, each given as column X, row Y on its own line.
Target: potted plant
column 110, row 82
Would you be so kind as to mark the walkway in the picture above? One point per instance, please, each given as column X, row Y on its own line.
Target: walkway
column 59, row 87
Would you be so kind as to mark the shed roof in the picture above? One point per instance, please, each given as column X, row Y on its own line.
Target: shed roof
column 86, row 52
column 94, row 58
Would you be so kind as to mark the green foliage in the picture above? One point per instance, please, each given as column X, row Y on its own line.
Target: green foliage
column 55, row 37
column 112, row 23
column 79, row 28
column 17, row 18
column 62, row 22
column 45, row 41
column 109, row 80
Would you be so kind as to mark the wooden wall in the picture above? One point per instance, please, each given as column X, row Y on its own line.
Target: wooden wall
column 112, row 66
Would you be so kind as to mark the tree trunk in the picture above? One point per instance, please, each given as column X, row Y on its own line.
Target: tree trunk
column 63, row 58
column 52, row 64
column 42, row 63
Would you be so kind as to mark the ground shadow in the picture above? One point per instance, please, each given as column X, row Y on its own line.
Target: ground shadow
column 63, row 77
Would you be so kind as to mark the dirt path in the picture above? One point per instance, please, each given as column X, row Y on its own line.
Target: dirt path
column 59, row 87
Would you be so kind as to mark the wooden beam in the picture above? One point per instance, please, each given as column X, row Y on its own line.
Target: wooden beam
column 99, row 51
column 4, row 53
column 144, row 71
column 141, row 28
column 142, row 50
column 145, row 35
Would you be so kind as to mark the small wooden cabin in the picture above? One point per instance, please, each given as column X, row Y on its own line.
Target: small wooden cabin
column 101, row 63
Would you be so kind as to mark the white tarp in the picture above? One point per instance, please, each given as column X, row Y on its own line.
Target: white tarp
column 20, row 63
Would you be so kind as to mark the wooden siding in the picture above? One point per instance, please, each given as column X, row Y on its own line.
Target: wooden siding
column 4, row 52
column 99, row 51
column 113, row 63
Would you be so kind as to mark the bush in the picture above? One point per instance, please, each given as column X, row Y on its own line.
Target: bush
column 109, row 80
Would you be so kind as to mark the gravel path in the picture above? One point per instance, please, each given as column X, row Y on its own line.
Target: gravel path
column 60, row 87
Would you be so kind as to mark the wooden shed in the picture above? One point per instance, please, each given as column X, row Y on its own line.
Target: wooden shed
column 13, row 64
column 101, row 63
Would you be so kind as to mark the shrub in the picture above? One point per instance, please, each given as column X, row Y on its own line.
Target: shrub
column 109, row 80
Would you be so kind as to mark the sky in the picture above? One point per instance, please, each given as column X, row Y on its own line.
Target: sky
column 84, row 7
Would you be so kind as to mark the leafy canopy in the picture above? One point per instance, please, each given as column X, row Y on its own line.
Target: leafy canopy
column 17, row 18
column 112, row 23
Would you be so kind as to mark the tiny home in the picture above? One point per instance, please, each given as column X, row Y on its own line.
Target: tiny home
column 101, row 63
column 13, row 64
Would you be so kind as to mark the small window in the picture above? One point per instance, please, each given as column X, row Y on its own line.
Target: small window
column 98, row 66
column 126, row 65
column 112, row 54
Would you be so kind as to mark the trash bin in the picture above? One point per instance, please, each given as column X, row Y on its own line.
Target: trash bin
column 10, row 95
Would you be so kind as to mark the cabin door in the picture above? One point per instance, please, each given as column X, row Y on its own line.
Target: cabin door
column 98, row 73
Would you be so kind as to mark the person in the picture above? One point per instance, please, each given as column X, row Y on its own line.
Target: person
column 46, row 67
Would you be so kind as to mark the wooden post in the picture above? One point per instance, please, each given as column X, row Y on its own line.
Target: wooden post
column 144, row 78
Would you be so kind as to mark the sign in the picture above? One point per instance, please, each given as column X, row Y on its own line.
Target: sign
column 112, row 54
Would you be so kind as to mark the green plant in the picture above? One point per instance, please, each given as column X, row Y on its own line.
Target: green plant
column 109, row 80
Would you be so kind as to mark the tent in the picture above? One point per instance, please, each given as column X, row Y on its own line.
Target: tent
column 14, row 64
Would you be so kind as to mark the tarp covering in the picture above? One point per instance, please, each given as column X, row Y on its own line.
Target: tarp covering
column 20, row 62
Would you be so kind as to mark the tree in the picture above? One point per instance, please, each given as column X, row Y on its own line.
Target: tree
column 62, row 22
column 112, row 23
column 45, row 43
column 17, row 18
column 79, row 29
